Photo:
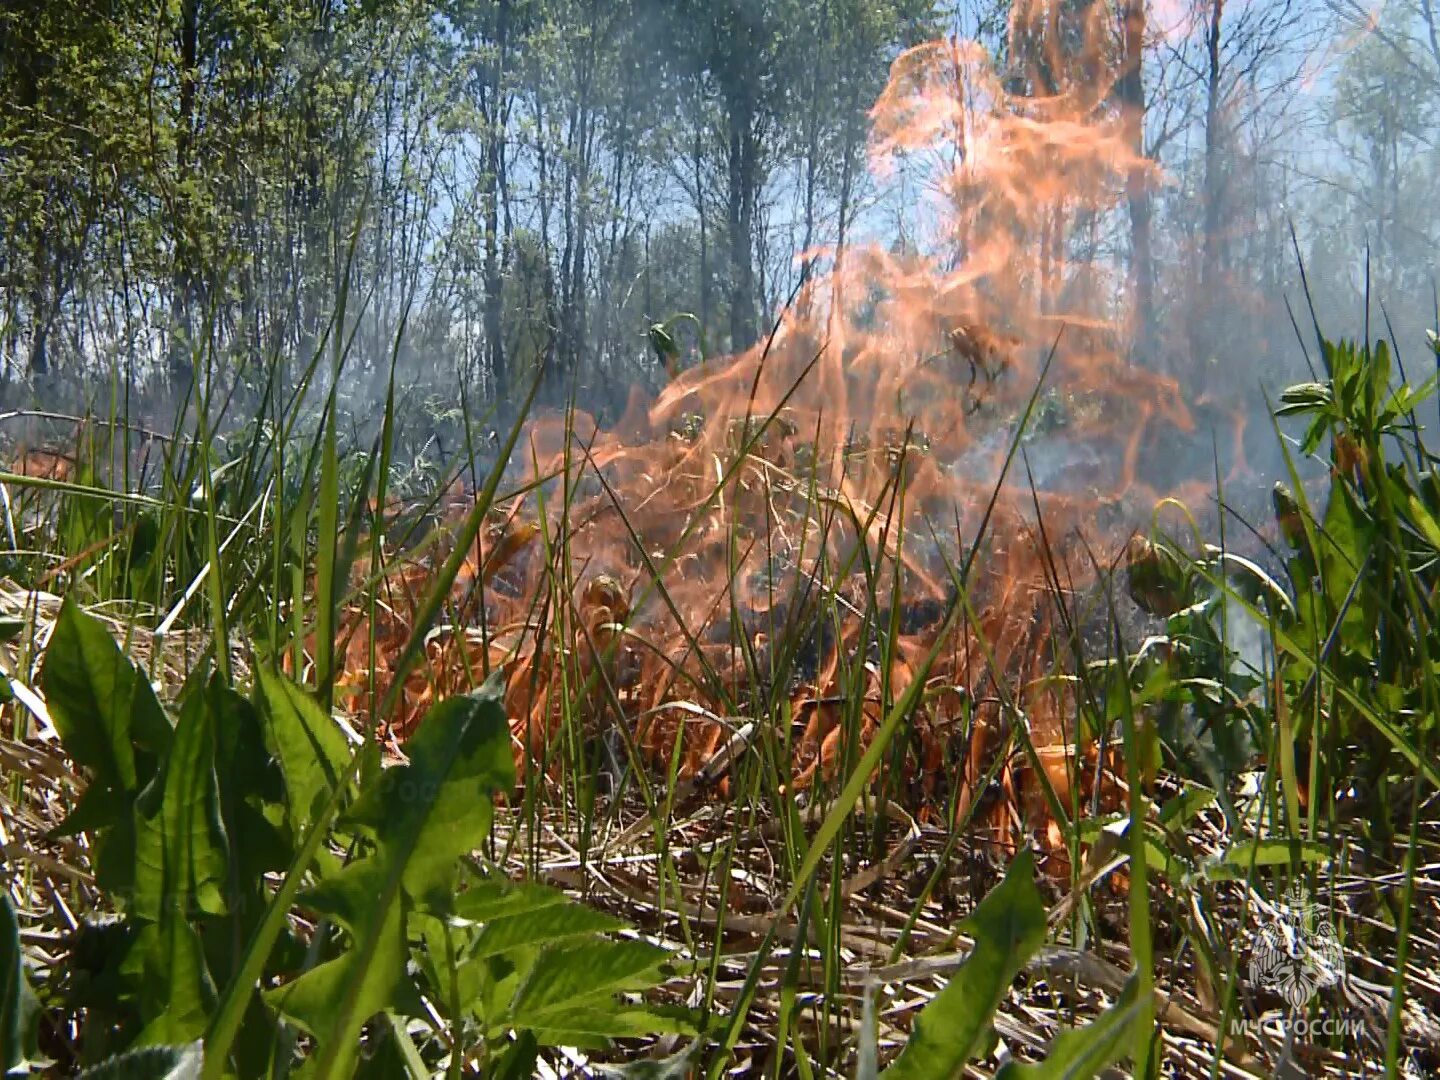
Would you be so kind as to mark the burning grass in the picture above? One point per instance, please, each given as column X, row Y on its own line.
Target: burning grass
column 611, row 612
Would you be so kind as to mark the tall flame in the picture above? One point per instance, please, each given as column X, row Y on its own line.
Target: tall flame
column 868, row 430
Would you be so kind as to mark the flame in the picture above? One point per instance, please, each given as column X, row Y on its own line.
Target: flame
column 671, row 554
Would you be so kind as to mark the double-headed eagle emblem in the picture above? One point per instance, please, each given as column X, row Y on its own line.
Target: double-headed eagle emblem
column 1297, row 952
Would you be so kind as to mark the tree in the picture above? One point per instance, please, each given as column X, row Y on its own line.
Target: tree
column 66, row 70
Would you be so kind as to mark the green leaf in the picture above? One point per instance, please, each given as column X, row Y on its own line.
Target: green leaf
column 595, row 1026
column 109, row 722
column 102, row 707
column 424, row 815
column 429, row 813
column 1349, row 535
column 547, row 924
column 307, row 743
column 487, row 900
column 180, row 846
column 1084, row 1052
column 177, row 993
column 19, row 1009
column 1238, row 858
column 566, row 974
column 1183, row 807
column 252, row 791
column 1424, row 521
column 181, row 870
column 1304, row 397
column 150, row 1063
column 371, row 977
column 1008, row 927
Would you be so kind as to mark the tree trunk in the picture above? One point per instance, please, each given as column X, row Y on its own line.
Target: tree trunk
column 698, row 159
column 1131, row 91
column 848, row 152
column 1204, row 300
column 494, row 136
column 1211, row 242
column 741, row 160
column 812, row 168
column 184, row 278
column 551, row 314
column 576, row 320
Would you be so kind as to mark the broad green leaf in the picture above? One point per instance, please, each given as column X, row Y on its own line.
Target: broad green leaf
column 1008, row 927
column 109, row 722
column 1160, row 857
column 307, row 743
column 424, row 816
column 313, row 1001
column 177, row 993
column 150, row 1063
column 1349, row 533
column 102, row 707
column 1424, row 521
column 429, row 813
column 1238, row 858
column 180, row 846
column 181, row 869
column 19, row 1009
column 1084, row 1052
column 483, row 901
column 1183, row 807
column 567, row 974
column 252, row 793
column 547, row 924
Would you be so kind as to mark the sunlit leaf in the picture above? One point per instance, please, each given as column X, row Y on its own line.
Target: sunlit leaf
column 541, row 926
column 424, row 815
column 567, row 974
column 1008, row 927
column 180, row 845
column 1236, row 860
column 109, row 722
column 307, row 743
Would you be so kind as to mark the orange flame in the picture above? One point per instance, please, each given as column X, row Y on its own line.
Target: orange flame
column 893, row 388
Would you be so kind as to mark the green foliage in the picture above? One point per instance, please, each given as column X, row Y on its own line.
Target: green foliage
column 423, row 817
column 1350, row 627
column 307, row 745
column 112, row 725
column 190, row 818
column 19, row 1008
column 1008, row 927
